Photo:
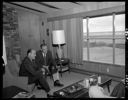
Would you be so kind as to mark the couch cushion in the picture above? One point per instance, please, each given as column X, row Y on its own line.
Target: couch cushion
column 13, row 67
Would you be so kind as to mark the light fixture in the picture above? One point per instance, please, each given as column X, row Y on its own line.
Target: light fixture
column 58, row 37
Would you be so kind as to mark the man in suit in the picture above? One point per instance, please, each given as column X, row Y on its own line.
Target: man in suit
column 35, row 73
column 44, row 60
column 119, row 90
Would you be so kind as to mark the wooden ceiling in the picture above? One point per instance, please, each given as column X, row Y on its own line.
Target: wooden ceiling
column 52, row 7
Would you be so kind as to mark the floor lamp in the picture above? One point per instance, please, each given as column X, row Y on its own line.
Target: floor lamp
column 58, row 39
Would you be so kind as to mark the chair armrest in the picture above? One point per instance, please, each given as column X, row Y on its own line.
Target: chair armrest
column 21, row 82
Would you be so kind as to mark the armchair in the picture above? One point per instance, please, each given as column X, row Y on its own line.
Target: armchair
column 12, row 78
column 64, row 64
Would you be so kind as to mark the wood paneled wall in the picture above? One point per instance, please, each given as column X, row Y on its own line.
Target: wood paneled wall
column 31, row 31
column 116, row 71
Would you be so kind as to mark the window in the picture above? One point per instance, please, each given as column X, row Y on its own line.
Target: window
column 120, row 39
column 101, row 50
column 85, row 39
column 120, row 51
column 103, row 44
column 100, row 24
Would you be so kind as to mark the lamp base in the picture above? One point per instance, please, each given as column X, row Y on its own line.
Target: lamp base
column 59, row 52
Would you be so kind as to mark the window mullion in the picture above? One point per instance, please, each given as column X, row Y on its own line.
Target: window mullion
column 88, row 54
column 113, row 23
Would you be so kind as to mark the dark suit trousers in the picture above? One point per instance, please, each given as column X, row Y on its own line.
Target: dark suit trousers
column 44, row 84
column 53, row 69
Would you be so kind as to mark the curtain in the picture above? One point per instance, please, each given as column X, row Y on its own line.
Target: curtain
column 74, row 38
column 4, row 52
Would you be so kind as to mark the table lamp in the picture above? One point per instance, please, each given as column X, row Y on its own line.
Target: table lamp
column 58, row 39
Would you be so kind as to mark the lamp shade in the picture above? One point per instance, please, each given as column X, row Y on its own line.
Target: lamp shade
column 58, row 37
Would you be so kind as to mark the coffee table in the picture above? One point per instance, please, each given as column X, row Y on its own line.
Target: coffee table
column 76, row 90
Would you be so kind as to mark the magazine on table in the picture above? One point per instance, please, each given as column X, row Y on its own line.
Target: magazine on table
column 23, row 95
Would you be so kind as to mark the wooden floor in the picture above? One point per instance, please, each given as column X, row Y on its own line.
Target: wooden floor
column 67, row 79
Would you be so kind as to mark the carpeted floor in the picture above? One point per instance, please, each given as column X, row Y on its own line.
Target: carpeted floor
column 67, row 79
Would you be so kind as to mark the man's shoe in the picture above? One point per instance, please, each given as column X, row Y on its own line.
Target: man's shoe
column 38, row 87
column 57, row 83
column 49, row 96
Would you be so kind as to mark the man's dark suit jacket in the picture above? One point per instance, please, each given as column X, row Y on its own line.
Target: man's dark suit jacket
column 119, row 90
column 29, row 68
column 49, row 60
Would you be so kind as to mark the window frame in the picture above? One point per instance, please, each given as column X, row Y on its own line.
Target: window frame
column 113, row 38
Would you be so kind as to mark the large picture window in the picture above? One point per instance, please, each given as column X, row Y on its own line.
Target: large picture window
column 104, row 38
column 101, row 50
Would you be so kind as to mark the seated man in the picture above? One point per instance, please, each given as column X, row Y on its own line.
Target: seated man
column 44, row 60
column 119, row 90
column 34, row 72
column 96, row 91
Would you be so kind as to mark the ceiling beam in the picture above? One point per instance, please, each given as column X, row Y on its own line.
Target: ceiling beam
column 76, row 3
column 26, row 7
column 47, row 5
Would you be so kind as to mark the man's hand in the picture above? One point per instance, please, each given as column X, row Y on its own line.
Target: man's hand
column 43, row 71
column 58, row 67
column 46, row 67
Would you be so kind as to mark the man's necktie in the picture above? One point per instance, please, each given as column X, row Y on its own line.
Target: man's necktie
column 45, row 59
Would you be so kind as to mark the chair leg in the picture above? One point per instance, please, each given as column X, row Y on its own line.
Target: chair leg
column 61, row 70
column 69, row 71
column 33, row 87
column 69, row 68
column 61, row 74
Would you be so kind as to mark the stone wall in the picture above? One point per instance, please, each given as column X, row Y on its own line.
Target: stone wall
column 10, row 32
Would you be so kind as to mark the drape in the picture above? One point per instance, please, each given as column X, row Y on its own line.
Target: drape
column 73, row 29
column 4, row 52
